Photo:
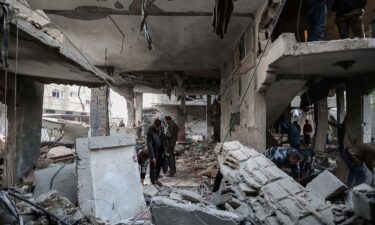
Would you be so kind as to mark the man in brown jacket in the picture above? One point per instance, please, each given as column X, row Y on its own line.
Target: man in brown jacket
column 171, row 137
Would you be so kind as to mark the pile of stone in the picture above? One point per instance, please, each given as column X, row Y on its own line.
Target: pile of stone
column 198, row 158
column 255, row 191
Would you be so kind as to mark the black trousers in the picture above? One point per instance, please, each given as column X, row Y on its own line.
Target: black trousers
column 155, row 169
column 217, row 182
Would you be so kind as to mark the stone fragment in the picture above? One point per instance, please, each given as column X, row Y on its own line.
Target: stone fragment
column 326, row 186
column 60, row 206
column 190, row 196
column 363, row 197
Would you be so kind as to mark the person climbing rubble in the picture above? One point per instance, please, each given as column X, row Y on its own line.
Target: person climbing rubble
column 171, row 139
column 292, row 131
column 156, row 147
column 356, row 156
column 143, row 161
column 349, row 15
column 287, row 159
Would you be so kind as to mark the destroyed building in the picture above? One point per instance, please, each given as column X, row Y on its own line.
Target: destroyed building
column 256, row 67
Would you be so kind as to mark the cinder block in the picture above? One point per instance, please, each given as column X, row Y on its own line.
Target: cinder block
column 363, row 197
column 326, row 186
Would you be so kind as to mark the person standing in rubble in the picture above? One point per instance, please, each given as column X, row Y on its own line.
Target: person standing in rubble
column 216, row 115
column 317, row 11
column 307, row 129
column 349, row 15
column 292, row 131
column 156, row 147
column 171, row 139
column 287, row 159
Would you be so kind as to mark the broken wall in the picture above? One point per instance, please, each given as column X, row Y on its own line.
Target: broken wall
column 249, row 125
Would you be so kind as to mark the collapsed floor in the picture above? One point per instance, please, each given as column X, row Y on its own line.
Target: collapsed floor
column 253, row 191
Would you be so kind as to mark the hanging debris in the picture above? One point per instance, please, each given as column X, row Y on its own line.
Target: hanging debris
column 222, row 15
column 144, row 27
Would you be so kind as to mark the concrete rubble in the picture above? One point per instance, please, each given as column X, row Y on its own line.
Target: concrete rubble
column 326, row 186
column 278, row 200
column 108, row 177
column 363, row 201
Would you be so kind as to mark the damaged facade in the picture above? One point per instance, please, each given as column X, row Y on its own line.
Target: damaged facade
column 231, row 87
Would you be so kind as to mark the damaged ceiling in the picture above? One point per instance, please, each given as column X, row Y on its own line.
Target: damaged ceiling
column 38, row 49
column 108, row 33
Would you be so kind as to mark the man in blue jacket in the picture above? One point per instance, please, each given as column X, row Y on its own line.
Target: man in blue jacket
column 349, row 14
column 317, row 11
column 287, row 159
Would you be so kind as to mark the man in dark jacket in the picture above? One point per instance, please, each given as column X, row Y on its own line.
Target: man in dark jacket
column 171, row 137
column 293, row 133
column 317, row 11
column 349, row 14
column 156, row 147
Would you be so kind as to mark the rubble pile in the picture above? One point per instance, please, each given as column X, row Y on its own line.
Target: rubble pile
column 198, row 159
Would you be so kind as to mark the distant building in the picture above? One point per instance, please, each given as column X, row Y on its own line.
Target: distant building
column 67, row 102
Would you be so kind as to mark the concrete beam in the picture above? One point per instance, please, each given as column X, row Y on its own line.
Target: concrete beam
column 99, row 115
column 24, row 112
column 321, row 110
column 138, row 107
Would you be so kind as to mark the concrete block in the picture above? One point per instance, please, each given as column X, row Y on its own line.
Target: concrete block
column 247, row 189
column 166, row 211
column 109, row 185
column 363, row 197
column 326, row 186
column 64, row 181
column 190, row 196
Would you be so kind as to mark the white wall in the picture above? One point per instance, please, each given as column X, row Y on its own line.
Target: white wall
column 68, row 99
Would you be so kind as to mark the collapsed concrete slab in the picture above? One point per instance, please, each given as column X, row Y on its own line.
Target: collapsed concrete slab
column 109, row 185
column 62, row 178
column 266, row 194
column 166, row 211
column 326, row 186
column 363, row 198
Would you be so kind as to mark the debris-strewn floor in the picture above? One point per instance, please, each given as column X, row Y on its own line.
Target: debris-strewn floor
column 194, row 163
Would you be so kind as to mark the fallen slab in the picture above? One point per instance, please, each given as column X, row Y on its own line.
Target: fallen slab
column 166, row 211
column 326, row 186
column 62, row 178
column 109, row 185
column 264, row 192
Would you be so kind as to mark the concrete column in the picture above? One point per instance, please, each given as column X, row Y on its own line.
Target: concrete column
column 367, row 113
column 322, row 125
column 99, row 115
column 340, row 103
column 181, row 120
column 353, row 119
column 138, row 107
column 131, row 112
column 210, row 128
column 24, row 114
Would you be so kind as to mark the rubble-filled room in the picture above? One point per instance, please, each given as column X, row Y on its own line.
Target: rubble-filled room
column 175, row 112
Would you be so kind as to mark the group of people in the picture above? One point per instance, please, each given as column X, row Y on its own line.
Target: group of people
column 349, row 15
column 160, row 150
